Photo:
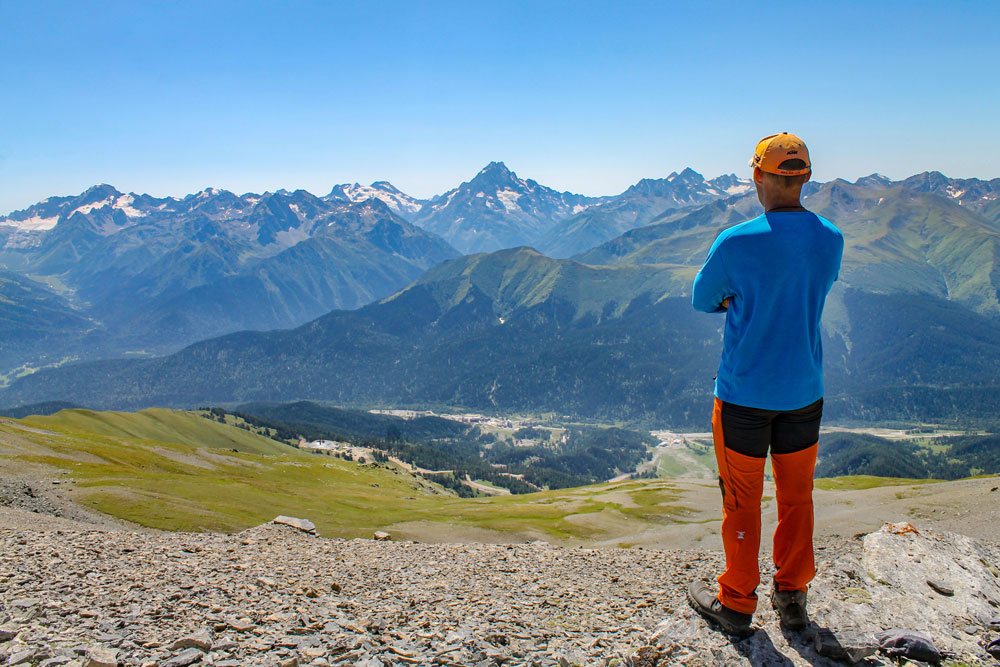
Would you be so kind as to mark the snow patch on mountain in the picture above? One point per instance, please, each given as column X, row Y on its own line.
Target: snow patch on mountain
column 738, row 189
column 87, row 208
column 398, row 201
column 509, row 199
column 124, row 204
column 35, row 223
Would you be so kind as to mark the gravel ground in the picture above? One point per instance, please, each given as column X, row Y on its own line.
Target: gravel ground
column 85, row 590
column 275, row 595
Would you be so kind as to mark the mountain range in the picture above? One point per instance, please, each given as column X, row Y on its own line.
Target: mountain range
column 637, row 206
column 911, row 331
column 497, row 209
column 155, row 274
column 151, row 274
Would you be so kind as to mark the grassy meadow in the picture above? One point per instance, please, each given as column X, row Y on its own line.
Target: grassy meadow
column 175, row 470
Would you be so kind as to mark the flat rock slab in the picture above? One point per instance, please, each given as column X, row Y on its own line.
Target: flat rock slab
column 188, row 656
column 99, row 656
column 847, row 646
column 201, row 640
column 941, row 588
column 304, row 525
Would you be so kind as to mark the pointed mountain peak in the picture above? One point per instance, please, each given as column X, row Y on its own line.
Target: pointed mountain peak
column 340, row 191
column 689, row 175
column 386, row 186
column 874, row 179
column 927, row 181
column 98, row 192
column 495, row 168
column 673, row 183
column 731, row 184
column 495, row 175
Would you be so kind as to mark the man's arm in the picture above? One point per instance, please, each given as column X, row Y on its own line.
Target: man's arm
column 711, row 289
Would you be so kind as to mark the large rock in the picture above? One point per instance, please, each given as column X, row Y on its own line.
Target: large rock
column 98, row 656
column 188, row 656
column 304, row 525
column 21, row 657
column 201, row 640
column 847, row 646
column 866, row 589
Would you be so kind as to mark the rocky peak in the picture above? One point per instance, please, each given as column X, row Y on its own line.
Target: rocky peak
column 928, row 181
column 386, row 186
column 874, row 180
column 687, row 177
column 496, row 175
column 97, row 193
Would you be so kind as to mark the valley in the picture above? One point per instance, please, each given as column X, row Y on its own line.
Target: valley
column 173, row 470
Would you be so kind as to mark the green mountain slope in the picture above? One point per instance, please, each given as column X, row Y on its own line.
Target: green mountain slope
column 119, row 468
column 679, row 238
column 517, row 331
column 637, row 206
column 896, row 240
column 510, row 330
column 956, row 457
column 185, row 428
column 34, row 321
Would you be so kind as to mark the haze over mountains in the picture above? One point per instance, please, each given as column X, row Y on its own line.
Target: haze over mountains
column 912, row 328
column 152, row 275
column 145, row 275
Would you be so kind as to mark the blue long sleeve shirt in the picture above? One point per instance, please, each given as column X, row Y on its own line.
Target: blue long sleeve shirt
column 776, row 270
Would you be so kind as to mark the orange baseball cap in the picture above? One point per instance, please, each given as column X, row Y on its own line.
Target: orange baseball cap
column 772, row 150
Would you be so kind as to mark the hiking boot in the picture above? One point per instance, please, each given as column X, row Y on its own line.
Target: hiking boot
column 701, row 596
column 791, row 608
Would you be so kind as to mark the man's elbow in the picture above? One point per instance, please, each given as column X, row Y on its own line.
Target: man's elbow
column 704, row 306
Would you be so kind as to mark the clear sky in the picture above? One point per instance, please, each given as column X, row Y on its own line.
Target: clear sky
column 171, row 97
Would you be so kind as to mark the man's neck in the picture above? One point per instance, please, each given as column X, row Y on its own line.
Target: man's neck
column 783, row 202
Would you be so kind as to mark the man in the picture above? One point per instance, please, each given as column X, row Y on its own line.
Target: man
column 770, row 275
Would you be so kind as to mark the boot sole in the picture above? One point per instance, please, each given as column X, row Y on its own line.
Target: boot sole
column 738, row 630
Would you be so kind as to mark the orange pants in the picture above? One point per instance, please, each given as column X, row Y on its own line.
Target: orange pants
column 741, row 479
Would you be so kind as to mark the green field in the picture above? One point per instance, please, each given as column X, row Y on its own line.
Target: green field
column 179, row 471
column 859, row 482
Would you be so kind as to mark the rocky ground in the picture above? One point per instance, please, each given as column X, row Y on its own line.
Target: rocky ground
column 274, row 595
column 85, row 590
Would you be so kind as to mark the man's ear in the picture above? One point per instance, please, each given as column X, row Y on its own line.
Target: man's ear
column 758, row 175
column 808, row 177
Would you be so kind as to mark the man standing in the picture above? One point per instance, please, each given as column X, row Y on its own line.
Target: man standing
column 770, row 275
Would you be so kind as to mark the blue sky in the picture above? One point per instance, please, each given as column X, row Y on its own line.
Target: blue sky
column 169, row 98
